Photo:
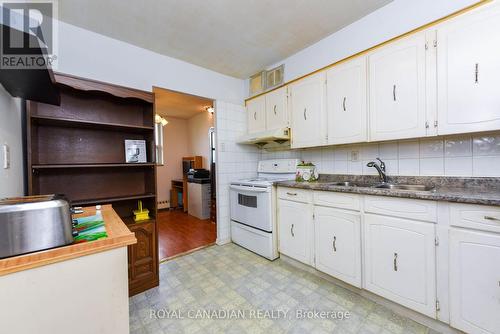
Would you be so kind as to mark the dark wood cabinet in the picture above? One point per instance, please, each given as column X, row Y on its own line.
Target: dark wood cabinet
column 143, row 260
column 78, row 149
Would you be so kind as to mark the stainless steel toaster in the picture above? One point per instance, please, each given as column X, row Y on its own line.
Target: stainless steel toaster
column 33, row 223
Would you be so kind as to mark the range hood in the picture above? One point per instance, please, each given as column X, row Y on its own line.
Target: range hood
column 268, row 138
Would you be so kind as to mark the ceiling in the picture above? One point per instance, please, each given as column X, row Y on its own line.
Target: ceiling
column 234, row 37
column 169, row 103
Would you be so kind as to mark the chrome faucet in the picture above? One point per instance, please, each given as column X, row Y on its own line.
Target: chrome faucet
column 380, row 169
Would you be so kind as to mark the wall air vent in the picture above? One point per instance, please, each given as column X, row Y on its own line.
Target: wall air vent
column 257, row 83
column 274, row 77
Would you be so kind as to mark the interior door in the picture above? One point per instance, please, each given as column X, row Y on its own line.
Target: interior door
column 400, row 261
column 307, row 105
column 295, row 230
column 475, row 281
column 276, row 109
column 256, row 114
column 347, row 102
column 338, row 244
column 397, row 89
column 469, row 72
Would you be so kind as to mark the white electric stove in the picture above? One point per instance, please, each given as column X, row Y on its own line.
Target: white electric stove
column 253, row 207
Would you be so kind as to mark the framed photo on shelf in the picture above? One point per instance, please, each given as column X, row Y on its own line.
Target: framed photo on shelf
column 135, row 151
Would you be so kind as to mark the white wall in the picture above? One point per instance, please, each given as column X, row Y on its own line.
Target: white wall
column 199, row 143
column 91, row 55
column 394, row 19
column 11, row 180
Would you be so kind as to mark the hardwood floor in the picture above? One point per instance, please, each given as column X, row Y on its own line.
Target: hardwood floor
column 179, row 232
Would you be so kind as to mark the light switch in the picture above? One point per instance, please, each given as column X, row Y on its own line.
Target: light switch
column 354, row 156
column 6, row 156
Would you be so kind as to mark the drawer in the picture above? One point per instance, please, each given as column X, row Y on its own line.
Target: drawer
column 337, row 200
column 479, row 217
column 294, row 194
column 402, row 207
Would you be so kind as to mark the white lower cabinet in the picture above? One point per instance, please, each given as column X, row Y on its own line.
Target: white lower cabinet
column 400, row 261
column 296, row 230
column 475, row 281
column 338, row 244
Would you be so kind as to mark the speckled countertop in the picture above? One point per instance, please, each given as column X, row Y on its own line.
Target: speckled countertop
column 452, row 189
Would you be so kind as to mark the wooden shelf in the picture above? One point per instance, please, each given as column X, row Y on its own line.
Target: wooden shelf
column 112, row 199
column 75, row 123
column 110, row 165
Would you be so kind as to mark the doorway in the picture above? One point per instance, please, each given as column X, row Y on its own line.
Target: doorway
column 185, row 144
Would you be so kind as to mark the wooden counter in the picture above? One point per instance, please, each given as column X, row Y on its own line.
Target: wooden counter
column 118, row 236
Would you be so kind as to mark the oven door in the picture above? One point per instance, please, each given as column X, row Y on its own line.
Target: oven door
column 251, row 206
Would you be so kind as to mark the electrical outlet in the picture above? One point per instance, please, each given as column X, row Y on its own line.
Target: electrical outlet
column 6, row 156
column 354, row 156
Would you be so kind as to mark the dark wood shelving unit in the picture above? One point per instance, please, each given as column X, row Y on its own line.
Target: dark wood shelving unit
column 78, row 149
column 108, row 165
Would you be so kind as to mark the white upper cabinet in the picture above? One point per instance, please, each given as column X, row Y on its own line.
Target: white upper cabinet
column 469, row 72
column 256, row 114
column 475, row 281
column 276, row 109
column 308, row 111
column 397, row 89
column 347, row 103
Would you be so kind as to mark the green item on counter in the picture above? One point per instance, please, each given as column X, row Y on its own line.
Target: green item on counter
column 90, row 228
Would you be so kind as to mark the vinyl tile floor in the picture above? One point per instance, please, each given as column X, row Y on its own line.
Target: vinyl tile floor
column 227, row 289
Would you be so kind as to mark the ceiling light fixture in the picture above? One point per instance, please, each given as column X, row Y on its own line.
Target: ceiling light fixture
column 210, row 109
column 160, row 120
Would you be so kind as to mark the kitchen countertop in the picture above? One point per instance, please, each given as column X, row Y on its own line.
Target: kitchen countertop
column 461, row 190
column 118, row 236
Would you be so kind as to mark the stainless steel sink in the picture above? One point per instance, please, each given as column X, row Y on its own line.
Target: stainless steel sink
column 414, row 187
column 343, row 184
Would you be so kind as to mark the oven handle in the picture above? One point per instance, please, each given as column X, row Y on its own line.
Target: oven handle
column 250, row 189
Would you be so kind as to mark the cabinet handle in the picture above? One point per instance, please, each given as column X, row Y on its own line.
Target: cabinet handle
column 291, row 231
column 476, row 73
column 255, row 115
column 274, row 109
column 395, row 261
column 343, row 103
column 305, row 114
column 292, row 194
column 334, row 244
column 491, row 218
column 394, row 92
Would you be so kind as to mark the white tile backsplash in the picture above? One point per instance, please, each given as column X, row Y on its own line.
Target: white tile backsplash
column 233, row 161
column 462, row 155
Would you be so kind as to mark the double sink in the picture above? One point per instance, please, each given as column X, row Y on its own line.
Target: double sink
column 389, row 186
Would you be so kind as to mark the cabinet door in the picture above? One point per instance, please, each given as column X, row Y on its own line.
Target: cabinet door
column 338, row 244
column 256, row 114
column 276, row 109
column 469, row 72
column 307, row 105
column 397, row 90
column 400, row 262
column 143, row 262
column 296, row 230
column 475, row 281
column 346, row 102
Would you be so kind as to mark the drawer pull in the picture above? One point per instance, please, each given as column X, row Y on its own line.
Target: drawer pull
column 291, row 231
column 395, row 261
column 274, row 109
column 334, row 243
column 492, row 218
column 291, row 194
